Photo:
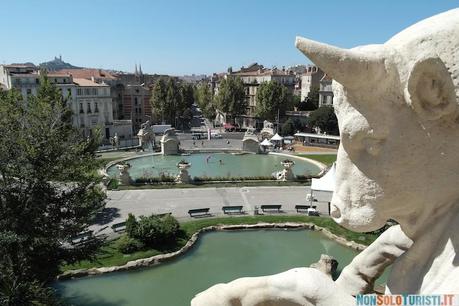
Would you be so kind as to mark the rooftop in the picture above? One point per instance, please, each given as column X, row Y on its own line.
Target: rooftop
column 317, row 136
column 87, row 83
column 87, row 73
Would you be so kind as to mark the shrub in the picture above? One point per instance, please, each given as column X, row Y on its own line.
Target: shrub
column 127, row 245
column 163, row 178
column 153, row 230
column 131, row 225
column 113, row 184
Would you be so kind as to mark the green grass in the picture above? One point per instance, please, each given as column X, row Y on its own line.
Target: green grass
column 110, row 256
column 327, row 159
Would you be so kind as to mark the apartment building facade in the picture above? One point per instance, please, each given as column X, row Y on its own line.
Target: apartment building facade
column 90, row 102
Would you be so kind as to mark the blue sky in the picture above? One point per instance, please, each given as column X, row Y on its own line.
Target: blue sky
column 195, row 36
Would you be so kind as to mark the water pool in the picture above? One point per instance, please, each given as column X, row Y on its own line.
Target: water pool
column 217, row 257
column 223, row 165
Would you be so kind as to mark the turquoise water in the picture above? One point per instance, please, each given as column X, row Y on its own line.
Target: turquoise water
column 217, row 165
column 217, row 257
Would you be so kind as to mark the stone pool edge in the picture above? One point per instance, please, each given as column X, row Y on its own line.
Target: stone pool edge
column 162, row 258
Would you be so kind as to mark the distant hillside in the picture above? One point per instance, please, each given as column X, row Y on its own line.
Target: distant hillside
column 57, row 64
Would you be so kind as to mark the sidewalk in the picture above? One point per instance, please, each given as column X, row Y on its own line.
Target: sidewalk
column 179, row 201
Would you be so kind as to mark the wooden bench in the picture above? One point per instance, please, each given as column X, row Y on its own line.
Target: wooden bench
column 271, row 207
column 199, row 211
column 232, row 209
column 119, row 227
column 82, row 238
column 303, row 208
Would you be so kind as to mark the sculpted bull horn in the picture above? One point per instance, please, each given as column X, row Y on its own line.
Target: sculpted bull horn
column 350, row 68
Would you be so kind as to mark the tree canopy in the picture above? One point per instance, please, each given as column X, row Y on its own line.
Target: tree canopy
column 311, row 102
column 49, row 192
column 325, row 119
column 231, row 97
column 204, row 99
column 273, row 98
column 170, row 100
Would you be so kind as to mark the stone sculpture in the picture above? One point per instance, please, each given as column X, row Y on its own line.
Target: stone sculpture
column 124, row 176
column 398, row 114
column 287, row 173
column 169, row 142
column 250, row 141
column 183, row 177
column 146, row 135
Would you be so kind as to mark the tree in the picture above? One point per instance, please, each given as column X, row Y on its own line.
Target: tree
column 311, row 102
column 187, row 95
column 49, row 191
column 205, row 100
column 288, row 128
column 325, row 119
column 273, row 98
column 158, row 98
column 173, row 101
column 231, row 97
column 169, row 99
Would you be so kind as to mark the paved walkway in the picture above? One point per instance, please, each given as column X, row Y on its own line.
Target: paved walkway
column 179, row 201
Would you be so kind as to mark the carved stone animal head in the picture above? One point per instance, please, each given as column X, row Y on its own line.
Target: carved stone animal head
column 397, row 107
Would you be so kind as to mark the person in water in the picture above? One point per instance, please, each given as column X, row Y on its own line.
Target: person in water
column 220, row 161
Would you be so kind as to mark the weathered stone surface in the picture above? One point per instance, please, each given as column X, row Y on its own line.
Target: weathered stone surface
column 169, row 143
column 398, row 112
column 326, row 264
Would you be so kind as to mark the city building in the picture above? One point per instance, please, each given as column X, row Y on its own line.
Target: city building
column 325, row 91
column 90, row 102
column 252, row 76
column 136, row 105
column 310, row 79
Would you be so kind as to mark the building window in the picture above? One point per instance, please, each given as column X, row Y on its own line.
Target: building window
column 86, row 92
column 37, row 81
column 135, row 101
column 29, row 91
column 79, row 92
column 81, row 108
column 69, row 92
column 89, row 108
column 96, row 108
column 94, row 91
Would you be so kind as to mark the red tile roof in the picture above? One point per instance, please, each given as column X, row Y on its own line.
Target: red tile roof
column 87, row 73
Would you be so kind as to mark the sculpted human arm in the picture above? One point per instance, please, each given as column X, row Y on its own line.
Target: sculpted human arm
column 359, row 276
column 295, row 287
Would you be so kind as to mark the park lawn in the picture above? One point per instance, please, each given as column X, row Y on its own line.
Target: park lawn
column 327, row 159
column 110, row 256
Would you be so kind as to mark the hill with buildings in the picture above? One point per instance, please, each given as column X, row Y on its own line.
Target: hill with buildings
column 57, row 64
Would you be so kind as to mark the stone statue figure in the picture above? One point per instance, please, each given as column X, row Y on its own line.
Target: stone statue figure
column 146, row 135
column 398, row 114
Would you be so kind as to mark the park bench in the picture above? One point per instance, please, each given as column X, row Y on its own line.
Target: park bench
column 313, row 212
column 271, row 207
column 82, row 238
column 199, row 211
column 232, row 209
column 303, row 208
column 119, row 227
